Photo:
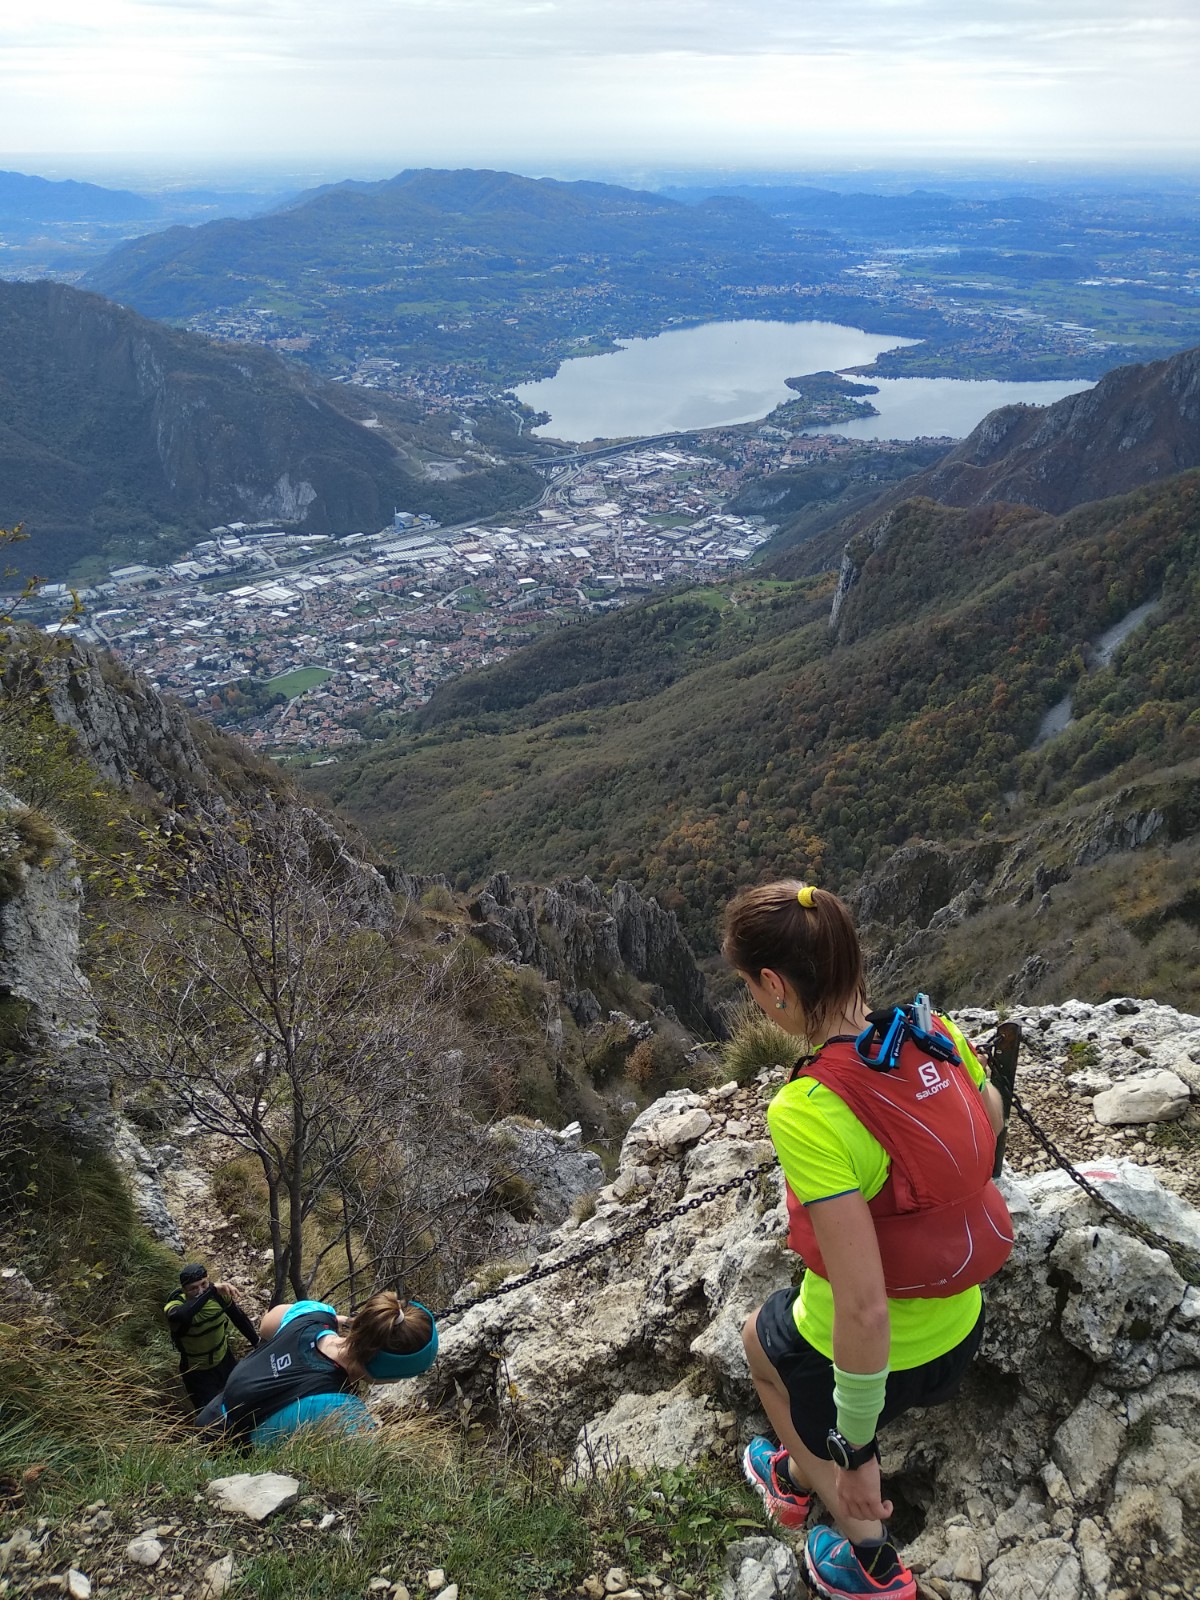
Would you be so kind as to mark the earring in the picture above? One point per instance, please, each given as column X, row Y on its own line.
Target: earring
column 781, row 1005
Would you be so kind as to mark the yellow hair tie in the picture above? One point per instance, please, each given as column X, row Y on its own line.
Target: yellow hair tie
column 805, row 897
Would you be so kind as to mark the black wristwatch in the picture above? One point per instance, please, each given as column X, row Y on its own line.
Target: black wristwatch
column 846, row 1455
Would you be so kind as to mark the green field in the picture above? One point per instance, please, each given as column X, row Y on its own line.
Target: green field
column 299, row 681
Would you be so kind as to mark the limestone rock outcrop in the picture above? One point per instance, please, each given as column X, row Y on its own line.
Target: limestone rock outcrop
column 123, row 726
column 584, row 939
column 57, row 1071
column 551, row 1161
column 1068, row 1459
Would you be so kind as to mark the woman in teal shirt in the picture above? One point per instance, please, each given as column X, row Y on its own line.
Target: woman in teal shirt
column 310, row 1361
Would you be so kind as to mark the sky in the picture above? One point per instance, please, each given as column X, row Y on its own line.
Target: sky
column 774, row 83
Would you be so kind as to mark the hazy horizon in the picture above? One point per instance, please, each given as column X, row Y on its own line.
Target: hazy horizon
column 139, row 171
column 765, row 84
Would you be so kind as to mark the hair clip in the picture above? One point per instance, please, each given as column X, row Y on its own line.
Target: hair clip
column 805, row 897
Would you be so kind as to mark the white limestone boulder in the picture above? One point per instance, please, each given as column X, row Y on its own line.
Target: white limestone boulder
column 1159, row 1096
column 1049, row 1569
column 1120, row 1289
column 761, row 1569
column 672, row 1428
column 256, row 1495
column 1088, row 1445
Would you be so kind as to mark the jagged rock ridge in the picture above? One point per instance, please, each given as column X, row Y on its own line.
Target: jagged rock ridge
column 1139, row 423
column 579, row 936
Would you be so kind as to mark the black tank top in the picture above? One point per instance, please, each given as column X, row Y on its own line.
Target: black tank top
column 288, row 1368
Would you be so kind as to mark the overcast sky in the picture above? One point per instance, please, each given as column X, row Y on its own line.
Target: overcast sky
column 542, row 82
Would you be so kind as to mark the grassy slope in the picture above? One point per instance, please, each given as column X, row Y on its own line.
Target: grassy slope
column 90, row 1411
column 698, row 758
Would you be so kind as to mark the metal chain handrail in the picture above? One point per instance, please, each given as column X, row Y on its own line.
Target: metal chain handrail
column 1187, row 1262
column 1184, row 1259
column 634, row 1231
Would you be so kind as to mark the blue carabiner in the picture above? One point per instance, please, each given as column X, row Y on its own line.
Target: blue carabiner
column 886, row 1057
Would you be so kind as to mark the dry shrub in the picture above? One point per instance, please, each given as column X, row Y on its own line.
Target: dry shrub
column 755, row 1044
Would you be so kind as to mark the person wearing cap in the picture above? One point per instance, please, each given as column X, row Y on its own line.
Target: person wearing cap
column 310, row 1363
column 201, row 1316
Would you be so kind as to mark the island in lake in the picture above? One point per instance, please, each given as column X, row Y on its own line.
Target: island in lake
column 822, row 398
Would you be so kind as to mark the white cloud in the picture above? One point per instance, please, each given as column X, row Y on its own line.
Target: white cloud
column 454, row 79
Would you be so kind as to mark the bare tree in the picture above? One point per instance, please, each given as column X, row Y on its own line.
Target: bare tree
column 259, row 990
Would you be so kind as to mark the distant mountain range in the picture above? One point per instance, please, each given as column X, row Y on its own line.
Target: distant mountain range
column 496, row 222
column 1026, row 221
column 119, row 438
column 57, row 229
column 24, row 198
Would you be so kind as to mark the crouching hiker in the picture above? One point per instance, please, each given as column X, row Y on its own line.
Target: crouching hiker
column 886, row 1134
column 201, row 1316
column 307, row 1369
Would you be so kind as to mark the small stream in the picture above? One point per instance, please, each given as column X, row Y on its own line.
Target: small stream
column 1059, row 716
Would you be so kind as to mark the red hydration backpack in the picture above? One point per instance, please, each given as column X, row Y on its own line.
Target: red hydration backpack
column 941, row 1222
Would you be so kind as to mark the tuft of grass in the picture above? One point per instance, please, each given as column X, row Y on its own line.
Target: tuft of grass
column 607, row 1052
column 514, row 1194
column 439, row 899
column 754, row 1043
column 1082, row 1053
column 240, row 1191
column 28, row 840
column 76, row 1233
column 493, row 1274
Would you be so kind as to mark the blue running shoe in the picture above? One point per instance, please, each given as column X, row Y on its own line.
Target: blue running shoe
column 836, row 1572
column 765, row 1466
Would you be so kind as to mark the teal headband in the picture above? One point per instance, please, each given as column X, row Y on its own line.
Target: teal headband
column 388, row 1365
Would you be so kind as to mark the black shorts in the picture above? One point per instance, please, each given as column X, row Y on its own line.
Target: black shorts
column 205, row 1383
column 808, row 1375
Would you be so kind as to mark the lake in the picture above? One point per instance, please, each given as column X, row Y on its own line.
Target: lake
column 722, row 373
column 916, row 408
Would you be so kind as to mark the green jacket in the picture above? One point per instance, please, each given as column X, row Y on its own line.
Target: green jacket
column 200, row 1328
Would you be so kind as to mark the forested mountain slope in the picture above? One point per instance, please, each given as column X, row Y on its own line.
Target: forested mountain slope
column 496, row 216
column 711, row 740
column 119, row 435
column 485, row 270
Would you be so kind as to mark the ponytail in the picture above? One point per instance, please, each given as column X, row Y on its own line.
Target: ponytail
column 385, row 1324
column 807, row 936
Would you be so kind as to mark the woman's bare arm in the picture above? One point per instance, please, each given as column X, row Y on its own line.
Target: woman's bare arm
column 269, row 1326
column 861, row 1323
column 862, row 1330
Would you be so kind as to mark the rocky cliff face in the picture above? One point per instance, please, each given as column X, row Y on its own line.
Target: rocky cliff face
column 57, row 1070
column 1066, row 1467
column 123, row 727
column 55, row 1073
column 584, row 939
column 111, row 423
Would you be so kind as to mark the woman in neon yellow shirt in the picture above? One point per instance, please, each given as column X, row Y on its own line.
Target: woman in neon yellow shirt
column 874, row 1329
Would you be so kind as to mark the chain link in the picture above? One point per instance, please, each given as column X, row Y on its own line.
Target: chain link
column 1184, row 1259
column 613, row 1242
